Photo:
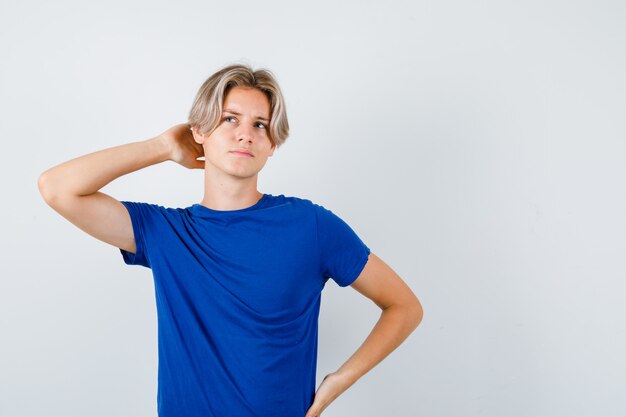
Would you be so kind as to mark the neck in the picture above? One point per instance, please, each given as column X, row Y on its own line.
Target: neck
column 226, row 192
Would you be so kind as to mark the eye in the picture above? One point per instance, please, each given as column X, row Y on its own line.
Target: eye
column 262, row 124
column 228, row 117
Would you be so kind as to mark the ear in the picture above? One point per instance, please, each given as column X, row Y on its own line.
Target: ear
column 198, row 137
column 272, row 150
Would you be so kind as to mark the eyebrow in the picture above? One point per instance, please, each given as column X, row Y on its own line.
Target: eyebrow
column 239, row 114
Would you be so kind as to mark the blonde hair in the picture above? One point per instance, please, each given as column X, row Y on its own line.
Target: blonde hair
column 206, row 111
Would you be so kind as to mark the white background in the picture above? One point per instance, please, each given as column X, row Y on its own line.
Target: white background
column 479, row 148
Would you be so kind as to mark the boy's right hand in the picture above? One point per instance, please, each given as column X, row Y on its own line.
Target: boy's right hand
column 183, row 149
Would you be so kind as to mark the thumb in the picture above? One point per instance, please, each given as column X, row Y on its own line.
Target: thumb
column 313, row 411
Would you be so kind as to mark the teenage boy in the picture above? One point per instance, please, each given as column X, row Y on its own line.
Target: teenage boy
column 238, row 277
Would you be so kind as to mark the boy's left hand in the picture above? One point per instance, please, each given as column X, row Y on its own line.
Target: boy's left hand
column 331, row 387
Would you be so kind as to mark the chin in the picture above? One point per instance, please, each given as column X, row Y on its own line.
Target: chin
column 242, row 173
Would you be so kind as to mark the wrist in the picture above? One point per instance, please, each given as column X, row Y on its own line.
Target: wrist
column 346, row 377
column 161, row 148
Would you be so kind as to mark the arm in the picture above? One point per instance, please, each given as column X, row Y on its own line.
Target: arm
column 71, row 188
column 401, row 314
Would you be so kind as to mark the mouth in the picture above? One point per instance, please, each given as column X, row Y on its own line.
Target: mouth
column 242, row 152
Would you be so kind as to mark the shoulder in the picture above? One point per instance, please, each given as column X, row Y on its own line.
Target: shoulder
column 306, row 205
column 301, row 201
column 151, row 210
column 324, row 216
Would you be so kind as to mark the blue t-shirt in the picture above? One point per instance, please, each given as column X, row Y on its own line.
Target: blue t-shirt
column 238, row 297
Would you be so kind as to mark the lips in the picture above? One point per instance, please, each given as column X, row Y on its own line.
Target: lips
column 242, row 152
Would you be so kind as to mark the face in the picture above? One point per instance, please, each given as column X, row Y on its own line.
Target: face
column 244, row 126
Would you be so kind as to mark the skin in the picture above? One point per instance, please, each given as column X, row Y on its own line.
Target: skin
column 230, row 180
column 72, row 189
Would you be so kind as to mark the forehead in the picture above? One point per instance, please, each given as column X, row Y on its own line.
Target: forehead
column 247, row 100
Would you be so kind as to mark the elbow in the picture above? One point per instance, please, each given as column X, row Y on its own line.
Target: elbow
column 418, row 313
column 42, row 185
column 45, row 187
column 412, row 312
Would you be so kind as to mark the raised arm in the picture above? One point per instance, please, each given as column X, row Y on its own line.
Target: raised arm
column 71, row 188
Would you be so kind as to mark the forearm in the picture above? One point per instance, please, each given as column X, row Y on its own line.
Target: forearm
column 87, row 174
column 395, row 324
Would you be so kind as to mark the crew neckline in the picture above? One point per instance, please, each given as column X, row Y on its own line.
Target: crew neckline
column 200, row 209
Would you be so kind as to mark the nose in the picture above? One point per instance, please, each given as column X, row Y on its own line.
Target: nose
column 245, row 133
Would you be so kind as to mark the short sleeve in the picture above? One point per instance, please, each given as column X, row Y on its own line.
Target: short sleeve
column 343, row 254
column 140, row 214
